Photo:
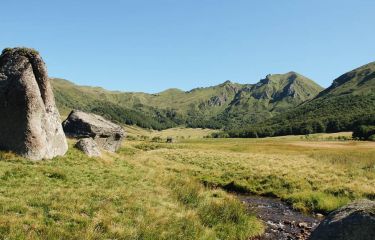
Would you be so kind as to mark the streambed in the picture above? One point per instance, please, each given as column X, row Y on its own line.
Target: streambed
column 281, row 221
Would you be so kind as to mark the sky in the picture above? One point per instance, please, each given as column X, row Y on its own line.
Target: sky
column 153, row 45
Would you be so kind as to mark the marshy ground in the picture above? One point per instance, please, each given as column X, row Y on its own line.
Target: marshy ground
column 153, row 190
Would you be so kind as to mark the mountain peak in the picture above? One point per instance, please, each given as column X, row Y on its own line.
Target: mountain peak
column 288, row 75
column 227, row 82
column 287, row 85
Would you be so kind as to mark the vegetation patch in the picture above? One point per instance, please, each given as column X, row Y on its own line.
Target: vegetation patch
column 130, row 195
column 224, row 214
column 311, row 176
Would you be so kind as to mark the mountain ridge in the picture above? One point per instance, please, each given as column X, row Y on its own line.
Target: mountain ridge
column 198, row 107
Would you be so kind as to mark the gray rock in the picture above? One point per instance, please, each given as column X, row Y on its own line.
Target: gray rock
column 88, row 146
column 355, row 221
column 29, row 120
column 105, row 133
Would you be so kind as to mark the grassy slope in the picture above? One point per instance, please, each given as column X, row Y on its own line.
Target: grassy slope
column 356, row 84
column 359, row 81
column 112, row 105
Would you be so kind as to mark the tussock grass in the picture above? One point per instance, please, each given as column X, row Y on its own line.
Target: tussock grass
column 126, row 195
column 216, row 210
column 312, row 176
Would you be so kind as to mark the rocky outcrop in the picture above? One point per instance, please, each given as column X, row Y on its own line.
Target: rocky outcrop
column 29, row 120
column 83, row 125
column 355, row 221
column 89, row 147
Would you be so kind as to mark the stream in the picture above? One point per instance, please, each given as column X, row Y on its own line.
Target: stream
column 281, row 221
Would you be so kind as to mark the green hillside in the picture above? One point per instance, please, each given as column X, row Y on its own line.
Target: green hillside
column 158, row 111
column 212, row 107
column 119, row 107
column 346, row 104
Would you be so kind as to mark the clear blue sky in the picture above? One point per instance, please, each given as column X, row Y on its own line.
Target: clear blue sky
column 152, row 45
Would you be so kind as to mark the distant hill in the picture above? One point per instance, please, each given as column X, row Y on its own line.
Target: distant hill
column 213, row 107
column 347, row 103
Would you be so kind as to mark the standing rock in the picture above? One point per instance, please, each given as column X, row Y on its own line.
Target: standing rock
column 89, row 147
column 29, row 120
column 355, row 221
column 83, row 125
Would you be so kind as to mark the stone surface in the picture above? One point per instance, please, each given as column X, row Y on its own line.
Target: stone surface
column 29, row 120
column 355, row 221
column 88, row 146
column 105, row 133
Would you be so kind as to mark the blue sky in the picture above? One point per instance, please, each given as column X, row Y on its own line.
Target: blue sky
column 152, row 45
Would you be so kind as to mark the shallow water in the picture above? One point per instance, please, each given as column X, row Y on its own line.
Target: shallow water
column 281, row 221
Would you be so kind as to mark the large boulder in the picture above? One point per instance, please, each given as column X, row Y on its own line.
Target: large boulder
column 29, row 120
column 355, row 221
column 83, row 125
column 88, row 146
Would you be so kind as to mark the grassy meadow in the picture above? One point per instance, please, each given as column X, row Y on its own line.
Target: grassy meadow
column 154, row 190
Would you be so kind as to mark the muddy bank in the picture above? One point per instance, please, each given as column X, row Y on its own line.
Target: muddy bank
column 282, row 222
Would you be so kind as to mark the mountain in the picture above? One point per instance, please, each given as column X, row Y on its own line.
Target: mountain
column 269, row 97
column 347, row 103
column 214, row 107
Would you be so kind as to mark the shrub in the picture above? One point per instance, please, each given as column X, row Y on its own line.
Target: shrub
column 219, row 135
column 156, row 139
column 364, row 132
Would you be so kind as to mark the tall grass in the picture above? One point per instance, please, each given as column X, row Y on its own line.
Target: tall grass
column 221, row 213
column 311, row 176
column 121, row 196
column 170, row 191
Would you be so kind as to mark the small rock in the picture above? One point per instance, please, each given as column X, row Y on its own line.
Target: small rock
column 303, row 225
column 318, row 215
column 287, row 222
column 89, row 147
